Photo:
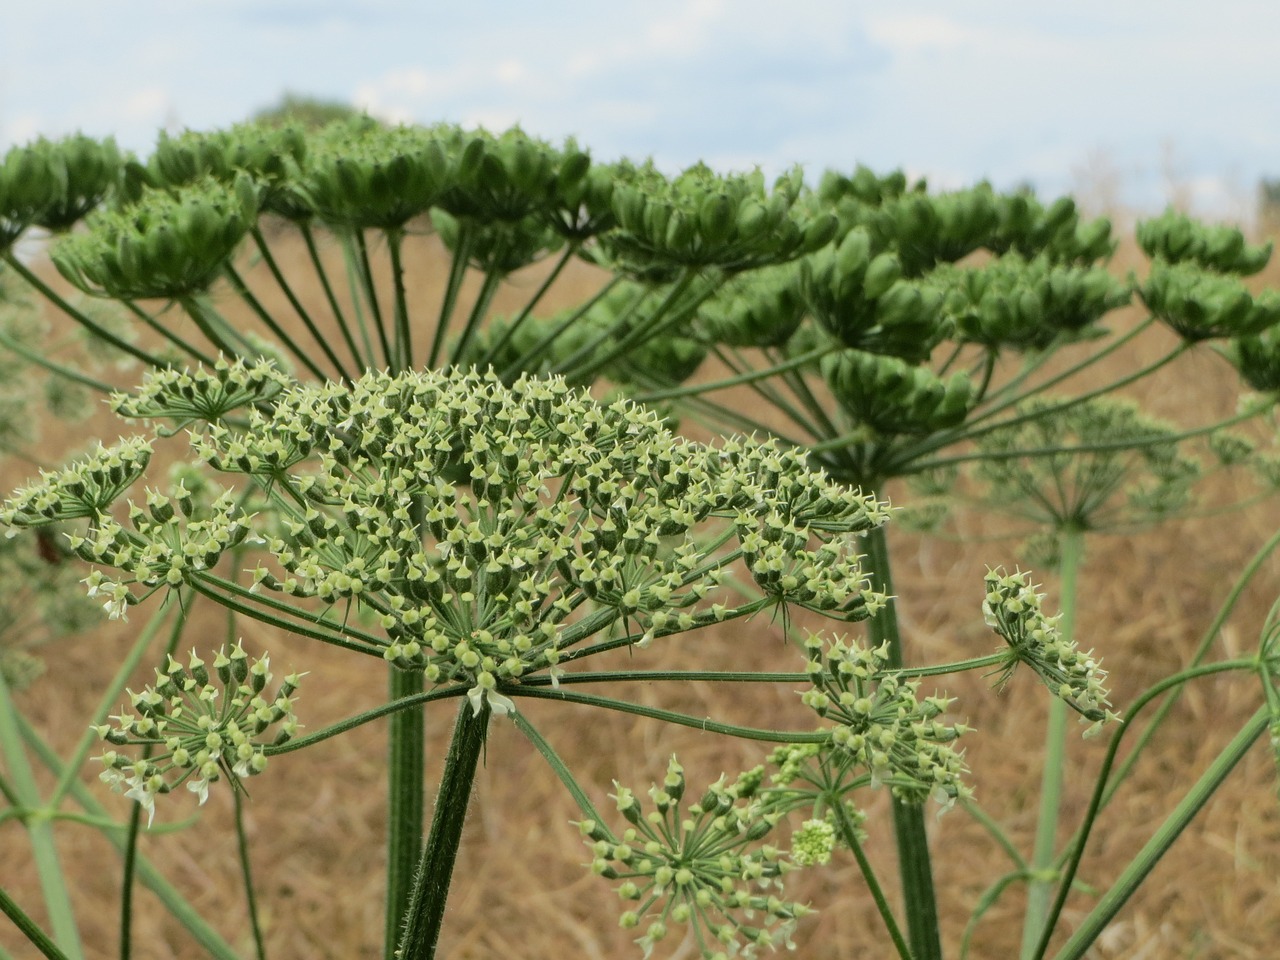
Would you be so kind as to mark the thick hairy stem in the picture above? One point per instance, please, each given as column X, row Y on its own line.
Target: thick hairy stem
column 915, row 870
column 423, row 919
column 406, row 801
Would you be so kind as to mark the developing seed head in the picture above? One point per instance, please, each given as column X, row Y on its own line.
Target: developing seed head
column 704, row 865
column 879, row 721
column 199, row 731
column 1013, row 609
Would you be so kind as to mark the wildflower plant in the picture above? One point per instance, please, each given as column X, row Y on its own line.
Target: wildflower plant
column 434, row 489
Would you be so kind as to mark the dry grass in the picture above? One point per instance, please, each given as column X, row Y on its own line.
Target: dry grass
column 316, row 820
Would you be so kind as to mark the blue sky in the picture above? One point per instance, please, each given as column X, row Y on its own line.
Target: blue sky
column 1116, row 100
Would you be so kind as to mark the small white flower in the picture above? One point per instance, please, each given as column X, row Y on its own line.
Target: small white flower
column 200, row 788
column 500, row 705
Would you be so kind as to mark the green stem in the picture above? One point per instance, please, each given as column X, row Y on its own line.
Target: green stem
column 29, row 929
column 355, row 287
column 849, row 834
column 181, row 343
column 667, row 716
column 527, row 360
column 79, row 317
column 425, row 915
column 310, row 240
column 1136, row 872
column 484, row 362
column 404, row 337
column 246, row 873
column 1211, row 634
column 914, row 865
column 1075, row 851
column 1040, row 891
column 457, row 273
column 110, row 698
column 697, row 389
column 52, row 878
column 323, row 342
column 242, row 290
column 57, row 369
column 128, row 871
column 213, row 945
column 492, row 280
column 213, row 327
column 364, row 267
column 406, row 799
column 561, row 769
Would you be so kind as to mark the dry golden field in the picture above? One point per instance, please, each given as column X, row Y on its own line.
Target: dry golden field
column 316, row 818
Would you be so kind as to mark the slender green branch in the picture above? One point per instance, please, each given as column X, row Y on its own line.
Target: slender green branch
column 406, row 797
column 364, row 270
column 487, row 358
column 667, row 716
column 172, row 336
column 212, row 326
column 697, row 389
column 152, row 879
column 561, row 769
column 109, row 698
column 314, row 253
column 848, row 832
column 322, row 341
column 57, row 369
column 78, row 316
column 404, row 336
column 492, row 280
column 356, row 287
column 262, row 313
column 1155, row 440
column 246, row 874
column 914, row 864
column 1132, row 877
column 29, row 928
column 1210, row 635
column 528, row 359
column 1100, row 793
column 453, row 286
column 366, row 716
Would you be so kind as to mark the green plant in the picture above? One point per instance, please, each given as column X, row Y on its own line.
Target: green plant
column 441, row 495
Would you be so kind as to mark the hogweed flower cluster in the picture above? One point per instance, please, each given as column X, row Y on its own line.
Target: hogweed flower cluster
column 200, row 730
column 879, row 720
column 489, row 530
column 201, row 394
column 702, row 865
column 1013, row 609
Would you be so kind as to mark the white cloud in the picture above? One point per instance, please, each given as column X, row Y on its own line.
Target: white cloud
column 151, row 104
column 921, row 33
column 689, row 29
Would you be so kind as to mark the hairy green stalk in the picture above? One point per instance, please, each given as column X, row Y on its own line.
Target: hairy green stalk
column 406, row 797
column 914, row 866
column 425, row 913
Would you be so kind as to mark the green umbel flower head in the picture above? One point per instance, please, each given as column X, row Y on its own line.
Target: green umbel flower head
column 878, row 719
column 200, row 730
column 490, row 531
column 700, row 866
column 1012, row 608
